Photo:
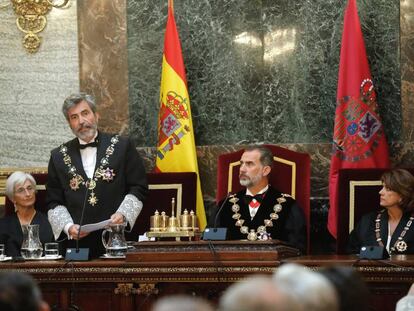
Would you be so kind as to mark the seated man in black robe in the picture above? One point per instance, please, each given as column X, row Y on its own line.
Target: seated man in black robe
column 260, row 211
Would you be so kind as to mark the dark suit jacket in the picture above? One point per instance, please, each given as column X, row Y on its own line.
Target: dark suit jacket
column 130, row 178
column 290, row 227
column 364, row 233
column 11, row 234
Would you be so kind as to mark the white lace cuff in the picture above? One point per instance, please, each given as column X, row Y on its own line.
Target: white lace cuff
column 59, row 217
column 130, row 208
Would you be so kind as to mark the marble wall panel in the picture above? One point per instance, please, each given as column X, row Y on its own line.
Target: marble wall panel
column 266, row 71
column 407, row 68
column 103, row 60
column 33, row 87
column 260, row 70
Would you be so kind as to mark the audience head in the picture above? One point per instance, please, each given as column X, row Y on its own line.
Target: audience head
column 20, row 183
column 351, row 289
column 311, row 289
column 258, row 293
column 256, row 165
column 402, row 182
column 406, row 303
column 19, row 292
column 182, row 303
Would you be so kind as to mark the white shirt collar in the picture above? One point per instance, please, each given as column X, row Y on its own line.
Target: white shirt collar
column 260, row 192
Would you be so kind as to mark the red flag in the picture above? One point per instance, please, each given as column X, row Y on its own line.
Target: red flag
column 358, row 140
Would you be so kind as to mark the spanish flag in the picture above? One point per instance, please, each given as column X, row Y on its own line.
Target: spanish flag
column 176, row 145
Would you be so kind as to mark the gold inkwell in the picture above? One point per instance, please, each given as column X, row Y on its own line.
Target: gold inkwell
column 180, row 226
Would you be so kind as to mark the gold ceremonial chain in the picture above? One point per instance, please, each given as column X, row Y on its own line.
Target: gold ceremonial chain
column 106, row 174
column 400, row 244
column 252, row 234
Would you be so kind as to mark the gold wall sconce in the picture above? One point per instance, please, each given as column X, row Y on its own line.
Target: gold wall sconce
column 31, row 19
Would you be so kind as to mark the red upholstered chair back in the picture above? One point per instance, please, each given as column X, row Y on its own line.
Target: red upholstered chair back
column 290, row 174
column 357, row 196
column 41, row 179
column 162, row 188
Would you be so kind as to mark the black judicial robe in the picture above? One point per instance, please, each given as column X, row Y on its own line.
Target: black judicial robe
column 364, row 233
column 129, row 178
column 290, row 227
column 11, row 234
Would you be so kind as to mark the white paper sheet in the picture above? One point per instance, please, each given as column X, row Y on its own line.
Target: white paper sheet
column 95, row 226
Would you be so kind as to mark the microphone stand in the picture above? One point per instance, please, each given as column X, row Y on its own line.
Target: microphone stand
column 79, row 254
column 217, row 234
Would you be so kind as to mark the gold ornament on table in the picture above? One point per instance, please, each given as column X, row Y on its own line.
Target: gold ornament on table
column 163, row 226
column 31, row 19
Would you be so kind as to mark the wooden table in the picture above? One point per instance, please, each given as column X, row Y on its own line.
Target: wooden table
column 157, row 270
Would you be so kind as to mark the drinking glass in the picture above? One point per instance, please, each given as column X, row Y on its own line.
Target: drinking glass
column 2, row 252
column 51, row 250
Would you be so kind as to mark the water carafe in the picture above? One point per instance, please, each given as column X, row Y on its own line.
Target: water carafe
column 31, row 246
column 116, row 245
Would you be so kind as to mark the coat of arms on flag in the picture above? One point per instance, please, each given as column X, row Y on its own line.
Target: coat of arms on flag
column 171, row 130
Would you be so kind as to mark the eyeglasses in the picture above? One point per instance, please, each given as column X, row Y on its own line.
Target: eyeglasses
column 23, row 190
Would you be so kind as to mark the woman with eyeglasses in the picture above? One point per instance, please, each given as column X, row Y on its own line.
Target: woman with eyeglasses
column 21, row 190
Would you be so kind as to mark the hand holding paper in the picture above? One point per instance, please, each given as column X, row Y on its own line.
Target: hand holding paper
column 96, row 226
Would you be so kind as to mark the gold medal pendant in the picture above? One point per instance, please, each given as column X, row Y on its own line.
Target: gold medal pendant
column 401, row 246
column 92, row 199
column 252, row 236
column 91, row 184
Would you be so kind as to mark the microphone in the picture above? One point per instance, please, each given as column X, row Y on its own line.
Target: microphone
column 217, row 234
column 79, row 254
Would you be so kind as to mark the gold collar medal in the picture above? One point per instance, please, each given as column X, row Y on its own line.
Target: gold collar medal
column 102, row 172
column 400, row 245
column 260, row 233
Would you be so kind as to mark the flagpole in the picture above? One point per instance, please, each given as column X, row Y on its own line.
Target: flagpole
column 171, row 4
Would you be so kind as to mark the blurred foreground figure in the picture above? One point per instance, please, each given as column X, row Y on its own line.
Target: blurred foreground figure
column 258, row 293
column 182, row 303
column 19, row 292
column 351, row 289
column 312, row 290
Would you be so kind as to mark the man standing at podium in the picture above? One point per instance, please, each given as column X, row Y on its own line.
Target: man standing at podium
column 94, row 177
column 260, row 212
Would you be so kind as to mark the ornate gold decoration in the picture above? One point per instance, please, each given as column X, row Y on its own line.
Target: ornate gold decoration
column 100, row 173
column 125, row 289
column 31, row 19
column 147, row 289
column 256, row 234
column 400, row 244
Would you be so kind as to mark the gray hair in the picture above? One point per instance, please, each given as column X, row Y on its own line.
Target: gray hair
column 312, row 289
column 17, row 178
column 267, row 297
column 266, row 156
column 74, row 99
column 182, row 303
